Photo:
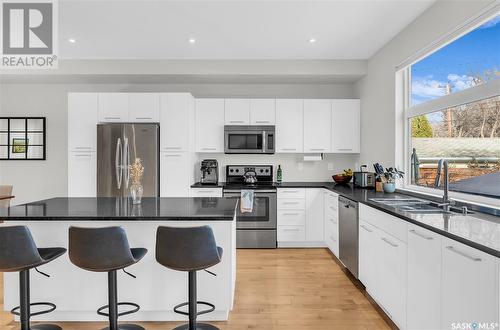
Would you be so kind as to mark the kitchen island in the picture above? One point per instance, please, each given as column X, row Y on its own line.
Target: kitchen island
column 78, row 293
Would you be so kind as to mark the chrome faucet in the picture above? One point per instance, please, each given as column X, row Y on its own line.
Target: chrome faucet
column 446, row 200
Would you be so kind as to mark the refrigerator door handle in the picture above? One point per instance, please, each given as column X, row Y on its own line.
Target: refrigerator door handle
column 126, row 161
column 118, row 166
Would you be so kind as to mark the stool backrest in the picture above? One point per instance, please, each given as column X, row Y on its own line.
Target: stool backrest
column 18, row 250
column 186, row 249
column 99, row 249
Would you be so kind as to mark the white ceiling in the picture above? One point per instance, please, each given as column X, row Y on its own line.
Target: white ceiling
column 231, row 29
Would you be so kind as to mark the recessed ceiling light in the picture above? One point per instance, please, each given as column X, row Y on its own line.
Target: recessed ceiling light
column 192, row 40
column 312, row 40
column 72, row 40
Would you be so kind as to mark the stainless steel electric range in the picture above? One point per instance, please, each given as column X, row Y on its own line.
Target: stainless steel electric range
column 256, row 229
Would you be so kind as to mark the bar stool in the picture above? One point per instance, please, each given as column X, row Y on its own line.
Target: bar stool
column 106, row 250
column 18, row 253
column 190, row 250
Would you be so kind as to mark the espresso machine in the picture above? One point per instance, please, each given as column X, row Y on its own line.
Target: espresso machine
column 209, row 171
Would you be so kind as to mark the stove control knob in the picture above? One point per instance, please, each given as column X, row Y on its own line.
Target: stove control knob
column 237, row 170
column 231, row 170
column 267, row 170
column 261, row 170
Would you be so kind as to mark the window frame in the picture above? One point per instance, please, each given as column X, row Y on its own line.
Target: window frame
column 472, row 94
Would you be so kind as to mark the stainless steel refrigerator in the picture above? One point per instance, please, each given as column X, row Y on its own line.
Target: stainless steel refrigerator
column 117, row 147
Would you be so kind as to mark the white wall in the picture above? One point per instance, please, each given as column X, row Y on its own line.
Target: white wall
column 379, row 138
column 35, row 180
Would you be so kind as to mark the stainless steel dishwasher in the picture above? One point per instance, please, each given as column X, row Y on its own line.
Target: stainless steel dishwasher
column 348, row 234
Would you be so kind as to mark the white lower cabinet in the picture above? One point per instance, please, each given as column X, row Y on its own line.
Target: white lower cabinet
column 392, row 270
column 331, row 223
column 205, row 192
column 383, row 263
column 175, row 176
column 424, row 279
column 315, row 215
column 469, row 286
column 300, row 217
column 82, row 179
column 368, row 259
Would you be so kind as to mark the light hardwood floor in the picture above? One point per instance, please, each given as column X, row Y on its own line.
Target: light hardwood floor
column 283, row 289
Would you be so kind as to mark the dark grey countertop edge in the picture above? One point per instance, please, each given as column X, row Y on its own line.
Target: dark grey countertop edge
column 353, row 197
column 121, row 218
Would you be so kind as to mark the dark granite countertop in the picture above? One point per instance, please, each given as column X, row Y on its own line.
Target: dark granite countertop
column 478, row 230
column 110, row 208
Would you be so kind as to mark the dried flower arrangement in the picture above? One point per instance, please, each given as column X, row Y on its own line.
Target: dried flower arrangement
column 136, row 171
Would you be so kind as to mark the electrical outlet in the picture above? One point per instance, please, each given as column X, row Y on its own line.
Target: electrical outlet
column 330, row 166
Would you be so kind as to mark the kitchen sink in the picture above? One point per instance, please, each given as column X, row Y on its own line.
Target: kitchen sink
column 411, row 205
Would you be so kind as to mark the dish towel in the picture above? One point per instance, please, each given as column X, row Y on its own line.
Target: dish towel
column 246, row 205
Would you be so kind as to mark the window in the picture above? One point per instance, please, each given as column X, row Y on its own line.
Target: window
column 453, row 114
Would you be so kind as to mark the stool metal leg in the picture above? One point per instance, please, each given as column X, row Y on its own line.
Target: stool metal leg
column 112, row 300
column 193, row 307
column 192, row 300
column 24, row 299
column 25, row 307
column 113, row 306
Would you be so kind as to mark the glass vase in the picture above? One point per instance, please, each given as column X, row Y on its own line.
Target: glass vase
column 136, row 192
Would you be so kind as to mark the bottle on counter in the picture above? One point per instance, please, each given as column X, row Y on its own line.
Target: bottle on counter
column 279, row 174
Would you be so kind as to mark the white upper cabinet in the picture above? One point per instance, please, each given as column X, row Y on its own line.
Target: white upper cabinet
column 144, row 107
column 262, row 111
column 113, row 107
column 237, row 112
column 469, row 287
column 209, row 131
column 346, row 126
column 424, row 279
column 176, row 121
column 82, row 121
column 317, row 126
column 289, row 126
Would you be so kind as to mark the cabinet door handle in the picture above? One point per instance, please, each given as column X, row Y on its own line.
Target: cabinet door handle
column 290, row 214
column 173, row 148
column 288, row 149
column 83, row 155
column 365, row 228
column 291, row 203
column 290, row 191
column 112, row 118
column 236, row 121
column 317, row 149
column 83, row 148
column 208, row 148
column 389, row 242
column 414, row 232
column 143, row 118
column 295, row 229
column 344, row 149
column 172, row 155
column 262, row 121
column 452, row 249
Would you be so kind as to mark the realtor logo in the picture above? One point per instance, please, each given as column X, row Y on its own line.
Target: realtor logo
column 29, row 34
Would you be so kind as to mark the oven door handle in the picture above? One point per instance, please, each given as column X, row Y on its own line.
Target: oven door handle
column 257, row 191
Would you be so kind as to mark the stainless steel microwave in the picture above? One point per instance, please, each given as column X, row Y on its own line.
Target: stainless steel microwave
column 239, row 139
